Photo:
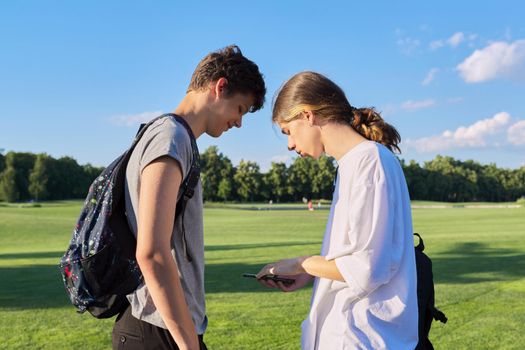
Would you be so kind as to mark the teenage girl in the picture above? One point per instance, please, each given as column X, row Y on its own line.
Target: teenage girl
column 364, row 293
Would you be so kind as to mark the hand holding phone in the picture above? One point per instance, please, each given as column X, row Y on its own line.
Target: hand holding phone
column 275, row 278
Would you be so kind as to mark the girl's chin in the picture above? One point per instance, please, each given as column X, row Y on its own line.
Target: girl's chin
column 316, row 156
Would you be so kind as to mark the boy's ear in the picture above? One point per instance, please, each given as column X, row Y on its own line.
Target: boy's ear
column 219, row 87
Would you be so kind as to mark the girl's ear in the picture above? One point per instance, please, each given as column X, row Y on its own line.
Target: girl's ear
column 310, row 117
column 219, row 87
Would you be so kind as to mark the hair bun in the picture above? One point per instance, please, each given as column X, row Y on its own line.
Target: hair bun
column 372, row 126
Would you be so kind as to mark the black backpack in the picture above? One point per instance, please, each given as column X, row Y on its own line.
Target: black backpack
column 99, row 268
column 425, row 297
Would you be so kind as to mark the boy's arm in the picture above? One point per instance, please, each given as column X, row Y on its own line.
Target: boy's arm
column 160, row 182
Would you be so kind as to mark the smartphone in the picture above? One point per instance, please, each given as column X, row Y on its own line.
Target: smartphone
column 285, row 281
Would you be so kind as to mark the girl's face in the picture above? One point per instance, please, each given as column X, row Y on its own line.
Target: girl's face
column 303, row 137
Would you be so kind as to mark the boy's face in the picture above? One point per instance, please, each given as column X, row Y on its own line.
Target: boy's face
column 226, row 112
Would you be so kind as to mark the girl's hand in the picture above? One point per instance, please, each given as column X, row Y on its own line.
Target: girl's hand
column 288, row 268
column 300, row 281
column 284, row 267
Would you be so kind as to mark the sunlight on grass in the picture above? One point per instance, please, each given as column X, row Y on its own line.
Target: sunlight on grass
column 479, row 270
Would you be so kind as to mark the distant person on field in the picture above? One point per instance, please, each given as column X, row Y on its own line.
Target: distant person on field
column 168, row 310
column 310, row 205
column 364, row 293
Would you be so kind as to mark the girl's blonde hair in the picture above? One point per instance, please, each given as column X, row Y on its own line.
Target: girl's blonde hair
column 310, row 91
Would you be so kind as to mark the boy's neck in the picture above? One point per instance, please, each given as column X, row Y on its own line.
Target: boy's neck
column 190, row 109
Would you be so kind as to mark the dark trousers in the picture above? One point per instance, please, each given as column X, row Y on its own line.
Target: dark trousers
column 132, row 333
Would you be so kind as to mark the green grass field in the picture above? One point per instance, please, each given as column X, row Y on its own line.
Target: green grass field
column 478, row 256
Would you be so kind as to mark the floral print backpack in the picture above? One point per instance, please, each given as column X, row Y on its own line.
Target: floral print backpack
column 99, row 267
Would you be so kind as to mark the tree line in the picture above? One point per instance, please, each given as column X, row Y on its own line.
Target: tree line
column 28, row 176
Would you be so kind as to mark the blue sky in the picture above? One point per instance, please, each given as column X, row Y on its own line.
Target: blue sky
column 77, row 77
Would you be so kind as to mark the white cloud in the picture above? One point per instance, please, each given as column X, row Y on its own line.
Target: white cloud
column 134, row 119
column 424, row 28
column 388, row 109
column 410, row 105
column 283, row 158
column 455, row 100
column 516, row 133
column 482, row 133
column 436, row 44
column 415, row 105
column 456, row 39
column 407, row 45
column 508, row 34
column 453, row 41
column 474, row 134
column 430, row 76
column 497, row 60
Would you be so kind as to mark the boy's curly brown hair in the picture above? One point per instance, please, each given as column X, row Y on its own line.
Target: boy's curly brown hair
column 242, row 74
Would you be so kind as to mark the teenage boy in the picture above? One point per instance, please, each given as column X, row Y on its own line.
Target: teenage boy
column 168, row 310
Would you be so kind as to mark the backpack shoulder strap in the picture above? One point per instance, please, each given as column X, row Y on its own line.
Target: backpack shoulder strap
column 438, row 315
column 187, row 188
column 421, row 245
column 144, row 126
column 190, row 181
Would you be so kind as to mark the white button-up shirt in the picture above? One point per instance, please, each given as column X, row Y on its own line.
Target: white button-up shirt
column 369, row 235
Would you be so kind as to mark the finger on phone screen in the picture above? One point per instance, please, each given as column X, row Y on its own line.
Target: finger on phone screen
column 271, row 283
column 289, row 287
column 283, row 287
column 267, row 283
column 280, row 285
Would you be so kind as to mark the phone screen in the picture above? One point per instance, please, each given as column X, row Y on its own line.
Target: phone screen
column 274, row 278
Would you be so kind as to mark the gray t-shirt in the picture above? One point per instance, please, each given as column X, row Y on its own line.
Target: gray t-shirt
column 166, row 137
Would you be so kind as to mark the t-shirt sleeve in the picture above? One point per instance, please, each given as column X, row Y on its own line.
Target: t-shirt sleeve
column 167, row 139
column 375, row 254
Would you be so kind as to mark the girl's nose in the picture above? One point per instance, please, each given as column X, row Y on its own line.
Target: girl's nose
column 291, row 144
